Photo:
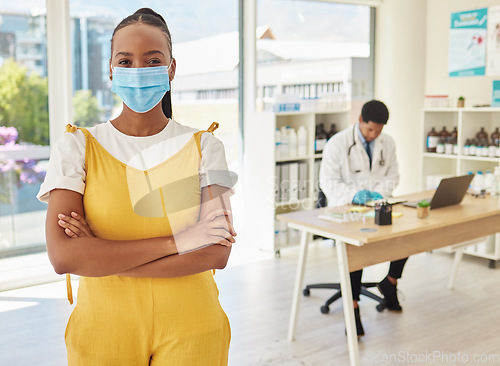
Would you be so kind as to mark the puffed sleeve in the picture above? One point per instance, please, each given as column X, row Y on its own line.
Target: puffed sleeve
column 66, row 169
column 214, row 169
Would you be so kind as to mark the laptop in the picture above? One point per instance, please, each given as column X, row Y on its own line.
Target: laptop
column 449, row 192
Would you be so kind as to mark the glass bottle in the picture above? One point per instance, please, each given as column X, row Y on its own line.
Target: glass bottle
column 482, row 136
column 321, row 138
column 333, row 130
column 432, row 140
column 495, row 136
column 467, row 147
column 444, row 133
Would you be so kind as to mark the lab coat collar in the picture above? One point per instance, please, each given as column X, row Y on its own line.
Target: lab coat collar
column 363, row 140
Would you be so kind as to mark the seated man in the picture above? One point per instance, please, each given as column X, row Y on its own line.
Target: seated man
column 359, row 164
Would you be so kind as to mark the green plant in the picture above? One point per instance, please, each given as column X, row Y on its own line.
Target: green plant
column 461, row 98
column 24, row 102
column 423, row 203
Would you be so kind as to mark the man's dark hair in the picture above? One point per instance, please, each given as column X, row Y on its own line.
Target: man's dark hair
column 375, row 111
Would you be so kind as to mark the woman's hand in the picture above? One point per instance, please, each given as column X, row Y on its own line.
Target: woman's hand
column 214, row 228
column 75, row 225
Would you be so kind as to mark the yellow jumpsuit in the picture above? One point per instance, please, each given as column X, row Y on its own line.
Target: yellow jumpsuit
column 127, row 321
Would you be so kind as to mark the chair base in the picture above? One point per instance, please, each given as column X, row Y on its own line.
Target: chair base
column 336, row 286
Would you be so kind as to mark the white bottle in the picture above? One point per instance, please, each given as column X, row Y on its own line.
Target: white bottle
column 302, row 141
column 479, row 182
column 277, row 142
column 488, row 181
column 495, row 192
column 472, row 149
column 292, row 141
column 284, row 142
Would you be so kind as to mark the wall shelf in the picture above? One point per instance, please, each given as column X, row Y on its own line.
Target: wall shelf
column 261, row 172
column 468, row 122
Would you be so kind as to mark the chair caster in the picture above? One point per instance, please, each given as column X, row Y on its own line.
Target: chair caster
column 325, row 309
column 306, row 292
column 380, row 307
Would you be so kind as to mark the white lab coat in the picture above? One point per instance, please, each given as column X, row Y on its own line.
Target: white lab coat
column 341, row 176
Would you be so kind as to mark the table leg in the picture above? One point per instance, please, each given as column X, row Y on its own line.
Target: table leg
column 459, row 253
column 345, row 286
column 299, row 279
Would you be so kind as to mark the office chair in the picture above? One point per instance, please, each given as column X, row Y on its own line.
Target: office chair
column 322, row 202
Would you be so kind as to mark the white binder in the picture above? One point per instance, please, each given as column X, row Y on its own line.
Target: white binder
column 284, row 183
column 294, row 181
column 303, row 175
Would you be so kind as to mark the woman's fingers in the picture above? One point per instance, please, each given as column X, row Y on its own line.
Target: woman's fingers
column 222, row 223
column 218, row 234
column 70, row 233
column 83, row 224
column 225, row 243
column 212, row 215
column 70, row 230
column 75, row 223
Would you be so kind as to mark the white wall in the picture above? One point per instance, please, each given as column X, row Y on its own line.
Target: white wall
column 475, row 89
column 400, row 80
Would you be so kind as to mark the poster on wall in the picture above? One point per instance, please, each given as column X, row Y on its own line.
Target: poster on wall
column 495, row 98
column 467, row 50
column 493, row 42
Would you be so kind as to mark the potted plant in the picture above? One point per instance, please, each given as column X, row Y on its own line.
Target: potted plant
column 423, row 208
column 460, row 102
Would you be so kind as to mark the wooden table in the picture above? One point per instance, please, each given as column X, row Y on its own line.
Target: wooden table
column 473, row 218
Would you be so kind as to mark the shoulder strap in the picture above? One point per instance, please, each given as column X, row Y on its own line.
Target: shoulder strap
column 69, row 290
column 72, row 128
column 197, row 135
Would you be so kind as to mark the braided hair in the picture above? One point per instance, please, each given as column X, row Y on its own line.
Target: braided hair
column 150, row 17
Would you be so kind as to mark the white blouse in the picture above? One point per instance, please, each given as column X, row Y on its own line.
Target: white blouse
column 66, row 169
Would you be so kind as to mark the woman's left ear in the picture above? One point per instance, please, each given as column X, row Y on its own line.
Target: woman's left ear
column 171, row 70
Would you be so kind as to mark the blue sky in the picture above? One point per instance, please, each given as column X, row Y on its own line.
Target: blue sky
column 194, row 19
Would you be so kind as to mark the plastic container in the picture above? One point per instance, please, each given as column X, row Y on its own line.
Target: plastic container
column 467, row 147
column 478, row 183
column 302, row 141
column 440, row 146
column 488, row 181
column 284, row 142
column 492, row 150
column 472, row 147
column 292, row 141
column 277, row 142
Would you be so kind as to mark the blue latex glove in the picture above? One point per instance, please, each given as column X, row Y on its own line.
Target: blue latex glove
column 361, row 197
column 375, row 196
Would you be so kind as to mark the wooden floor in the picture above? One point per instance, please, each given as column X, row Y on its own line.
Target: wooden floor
column 437, row 327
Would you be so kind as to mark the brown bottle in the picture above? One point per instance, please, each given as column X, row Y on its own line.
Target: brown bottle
column 333, row 130
column 495, row 136
column 444, row 134
column 454, row 135
column 482, row 136
column 432, row 140
column 321, row 138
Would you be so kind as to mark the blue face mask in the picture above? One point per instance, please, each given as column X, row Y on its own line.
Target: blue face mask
column 140, row 88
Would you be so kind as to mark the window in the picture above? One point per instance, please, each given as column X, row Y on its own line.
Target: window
column 205, row 45
column 24, row 126
column 312, row 50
